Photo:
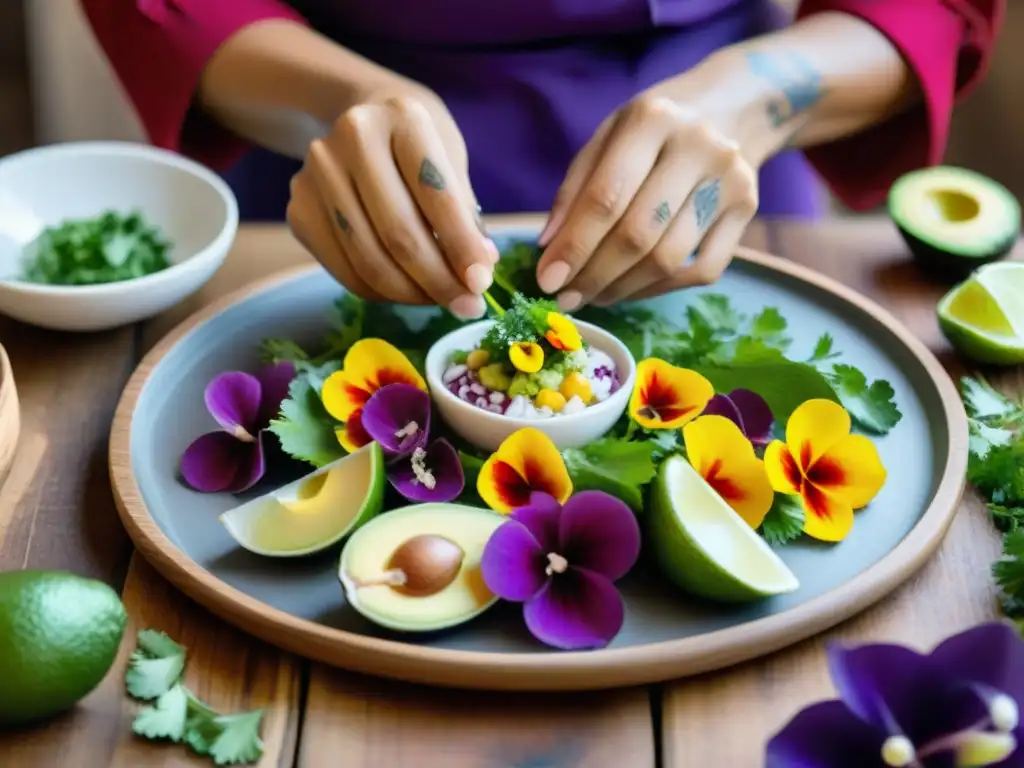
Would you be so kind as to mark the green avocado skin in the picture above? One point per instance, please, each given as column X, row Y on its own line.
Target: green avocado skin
column 952, row 265
column 59, row 636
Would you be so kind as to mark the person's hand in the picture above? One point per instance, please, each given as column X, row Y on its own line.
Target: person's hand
column 654, row 185
column 385, row 204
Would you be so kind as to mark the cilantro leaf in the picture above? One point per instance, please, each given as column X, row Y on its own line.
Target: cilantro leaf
column 615, row 466
column 238, row 738
column 784, row 385
column 999, row 474
column 515, row 272
column 155, row 666
column 273, row 351
column 769, row 327
column 982, row 401
column 823, row 349
column 983, row 438
column 784, row 521
column 166, row 718
column 304, row 428
column 1007, row 519
column 871, row 406
column 1009, row 573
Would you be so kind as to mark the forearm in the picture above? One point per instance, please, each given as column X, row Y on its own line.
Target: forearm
column 282, row 85
column 826, row 77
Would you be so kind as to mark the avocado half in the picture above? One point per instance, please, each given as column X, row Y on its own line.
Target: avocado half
column 954, row 220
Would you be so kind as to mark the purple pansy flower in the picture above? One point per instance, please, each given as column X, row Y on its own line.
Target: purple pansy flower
column 748, row 410
column 562, row 562
column 957, row 706
column 398, row 417
column 231, row 459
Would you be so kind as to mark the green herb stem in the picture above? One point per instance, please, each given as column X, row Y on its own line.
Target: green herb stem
column 630, row 430
column 493, row 303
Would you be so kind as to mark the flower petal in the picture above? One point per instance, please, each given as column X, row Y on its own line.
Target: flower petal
column 756, row 417
column 369, row 365
column 813, row 428
column 576, row 610
column 398, row 417
column 666, row 397
column 599, row 532
column 722, row 405
column 783, row 472
column 525, row 462
column 274, row 382
column 441, row 462
column 991, row 654
column 562, row 333
column 826, row 517
column 540, row 516
column 218, row 462
column 526, row 356
column 826, row 735
column 351, row 434
column 882, row 684
column 851, row 469
column 233, row 399
column 513, row 562
column 726, row 460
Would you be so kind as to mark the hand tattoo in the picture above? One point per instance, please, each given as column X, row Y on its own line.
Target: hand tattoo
column 794, row 76
column 431, row 176
column 341, row 221
column 705, row 203
column 662, row 213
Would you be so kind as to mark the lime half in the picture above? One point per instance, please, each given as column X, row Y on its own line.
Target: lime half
column 704, row 547
column 314, row 512
column 983, row 317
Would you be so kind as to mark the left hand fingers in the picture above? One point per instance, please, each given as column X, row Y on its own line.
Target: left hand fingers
column 709, row 227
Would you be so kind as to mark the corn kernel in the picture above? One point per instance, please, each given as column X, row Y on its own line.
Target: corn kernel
column 477, row 359
column 575, row 385
column 549, row 398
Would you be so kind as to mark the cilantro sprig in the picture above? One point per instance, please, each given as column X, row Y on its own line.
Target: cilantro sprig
column 996, row 470
column 176, row 714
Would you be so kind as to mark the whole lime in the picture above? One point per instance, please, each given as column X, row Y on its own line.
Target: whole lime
column 59, row 635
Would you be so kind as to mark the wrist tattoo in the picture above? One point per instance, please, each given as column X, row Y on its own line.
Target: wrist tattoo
column 662, row 213
column 705, row 203
column 796, row 79
column 431, row 176
column 341, row 221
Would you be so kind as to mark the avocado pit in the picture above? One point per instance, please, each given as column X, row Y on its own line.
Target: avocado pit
column 422, row 566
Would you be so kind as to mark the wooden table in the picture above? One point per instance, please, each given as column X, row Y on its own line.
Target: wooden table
column 56, row 511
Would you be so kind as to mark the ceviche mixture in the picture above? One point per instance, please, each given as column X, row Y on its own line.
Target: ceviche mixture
column 532, row 364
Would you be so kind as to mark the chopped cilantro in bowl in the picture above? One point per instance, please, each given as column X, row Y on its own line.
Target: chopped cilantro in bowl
column 108, row 248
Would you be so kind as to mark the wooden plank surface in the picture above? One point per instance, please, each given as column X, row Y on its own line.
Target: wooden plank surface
column 952, row 592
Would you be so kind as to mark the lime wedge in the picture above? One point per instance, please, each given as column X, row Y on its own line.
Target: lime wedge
column 705, row 548
column 983, row 317
column 315, row 511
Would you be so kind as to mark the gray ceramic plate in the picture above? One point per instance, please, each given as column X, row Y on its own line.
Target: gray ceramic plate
column 299, row 605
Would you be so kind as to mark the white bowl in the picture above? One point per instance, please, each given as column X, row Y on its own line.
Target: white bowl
column 487, row 430
column 41, row 187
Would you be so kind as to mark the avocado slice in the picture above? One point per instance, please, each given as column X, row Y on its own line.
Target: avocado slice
column 954, row 220
column 417, row 568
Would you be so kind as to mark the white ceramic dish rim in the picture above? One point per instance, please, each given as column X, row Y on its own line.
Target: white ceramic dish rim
column 219, row 245
column 436, row 364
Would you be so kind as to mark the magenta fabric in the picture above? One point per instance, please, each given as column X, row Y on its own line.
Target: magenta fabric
column 529, row 80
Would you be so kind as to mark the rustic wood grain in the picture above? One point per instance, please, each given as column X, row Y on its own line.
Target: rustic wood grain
column 68, row 386
column 950, row 593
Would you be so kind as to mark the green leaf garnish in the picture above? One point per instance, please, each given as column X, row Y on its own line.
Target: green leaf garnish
column 304, row 428
column 870, row 406
column 166, row 718
column 614, row 466
column 1009, row 574
column 155, row 667
column 784, row 521
column 108, row 248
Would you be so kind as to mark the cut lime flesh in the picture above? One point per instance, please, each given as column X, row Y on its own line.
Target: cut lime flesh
column 704, row 547
column 315, row 511
column 983, row 317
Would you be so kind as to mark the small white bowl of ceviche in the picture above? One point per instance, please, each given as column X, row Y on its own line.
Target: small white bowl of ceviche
column 530, row 367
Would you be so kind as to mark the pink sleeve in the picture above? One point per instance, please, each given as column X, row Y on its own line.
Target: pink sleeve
column 947, row 44
column 158, row 48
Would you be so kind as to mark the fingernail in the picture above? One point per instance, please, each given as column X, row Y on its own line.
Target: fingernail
column 467, row 306
column 569, row 300
column 478, row 278
column 547, row 232
column 553, row 276
column 492, row 249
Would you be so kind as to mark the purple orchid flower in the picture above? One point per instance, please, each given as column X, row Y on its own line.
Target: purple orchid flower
column 955, row 707
column 562, row 562
column 748, row 410
column 232, row 458
column 398, row 417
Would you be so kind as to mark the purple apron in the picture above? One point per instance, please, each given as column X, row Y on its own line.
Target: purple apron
column 528, row 81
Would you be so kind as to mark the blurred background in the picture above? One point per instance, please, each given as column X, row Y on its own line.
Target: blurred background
column 56, row 86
